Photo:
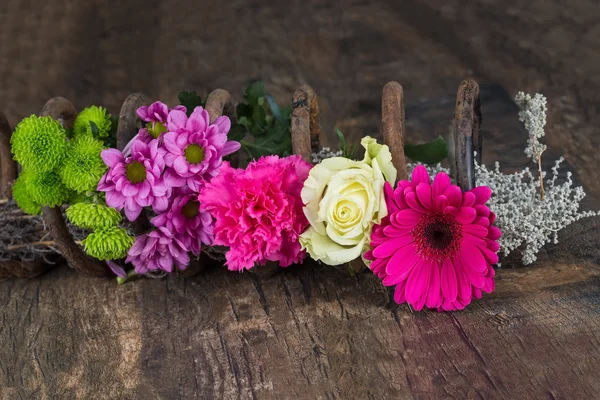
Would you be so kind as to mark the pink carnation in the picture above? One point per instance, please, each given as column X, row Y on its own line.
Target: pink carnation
column 437, row 244
column 195, row 147
column 258, row 211
column 186, row 221
column 134, row 182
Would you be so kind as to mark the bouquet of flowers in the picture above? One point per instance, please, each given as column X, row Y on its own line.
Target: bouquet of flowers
column 181, row 186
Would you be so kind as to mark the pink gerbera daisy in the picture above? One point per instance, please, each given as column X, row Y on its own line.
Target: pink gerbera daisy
column 191, row 225
column 195, row 147
column 437, row 245
column 134, row 182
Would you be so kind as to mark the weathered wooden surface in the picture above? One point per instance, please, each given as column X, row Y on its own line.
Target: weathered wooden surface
column 313, row 332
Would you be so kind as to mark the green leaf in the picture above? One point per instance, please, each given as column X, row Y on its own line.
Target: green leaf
column 237, row 132
column 428, row 153
column 95, row 130
column 254, row 91
column 190, row 100
column 273, row 106
column 244, row 110
column 341, row 137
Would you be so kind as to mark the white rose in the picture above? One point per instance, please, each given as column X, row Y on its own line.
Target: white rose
column 343, row 200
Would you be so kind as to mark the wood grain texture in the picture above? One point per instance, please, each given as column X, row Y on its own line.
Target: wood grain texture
column 312, row 332
column 8, row 167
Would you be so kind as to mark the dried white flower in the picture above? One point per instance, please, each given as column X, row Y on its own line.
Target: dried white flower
column 527, row 222
column 323, row 154
column 533, row 115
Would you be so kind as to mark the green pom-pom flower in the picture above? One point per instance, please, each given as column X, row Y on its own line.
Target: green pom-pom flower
column 99, row 116
column 83, row 167
column 93, row 216
column 46, row 188
column 23, row 198
column 108, row 243
column 39, row 143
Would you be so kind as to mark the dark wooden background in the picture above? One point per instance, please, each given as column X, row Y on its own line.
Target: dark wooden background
column 313, row 332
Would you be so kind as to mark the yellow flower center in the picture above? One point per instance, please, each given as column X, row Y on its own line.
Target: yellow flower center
column 156, row 129
column 135, row 172
column 190, row 210
column 194, row 154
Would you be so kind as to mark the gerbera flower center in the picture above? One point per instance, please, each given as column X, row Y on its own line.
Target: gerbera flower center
column 135, row 172
column 190, row 210
column 156, row 129
column 437, row 236
column 194, row 154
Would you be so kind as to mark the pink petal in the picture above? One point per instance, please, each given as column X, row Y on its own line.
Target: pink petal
column 434, row 296
column 482, row 194
column 389, row 247
column 466, row 215
column 130, row 190
column 172, row 179
column 449, row 282
column 402, row 262
column 411, row 200
column 494, row 233
column 133, row 213
column 392, row 231
column 389, row 198
column 176, row 120
column 468, row 199
column 116, row 269
column 420, row 175
column 475, row 230
column 493, row 245
column 441, row 202
column 471, row 257
column 399, row 294
column 482, row 210
column 112, row 157
column 230, row 148
column 454, row 195
column 424, row 194
column 417, row 282
column 408, row 217
column 181, row 165
column 441, row 182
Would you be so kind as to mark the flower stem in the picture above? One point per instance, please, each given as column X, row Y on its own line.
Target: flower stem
column 130, row 275
column 539, row 159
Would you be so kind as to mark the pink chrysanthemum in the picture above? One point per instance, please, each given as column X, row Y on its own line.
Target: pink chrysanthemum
column 437, row 244
column 184, row 218
column 155, row 115
column 258, row 211
column 195, row 148
column 134, row 182
column 158, row 250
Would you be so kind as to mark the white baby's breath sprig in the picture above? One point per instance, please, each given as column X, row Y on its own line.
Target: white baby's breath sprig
column 323, row 154
column 533, row 115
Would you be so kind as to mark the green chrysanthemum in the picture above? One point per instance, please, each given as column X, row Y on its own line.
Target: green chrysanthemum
column 23, row 198
column 39, row 143
column 83, row 167
column 108, row 243
column 93, row 216
column 99, row 116
column 46, row 188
